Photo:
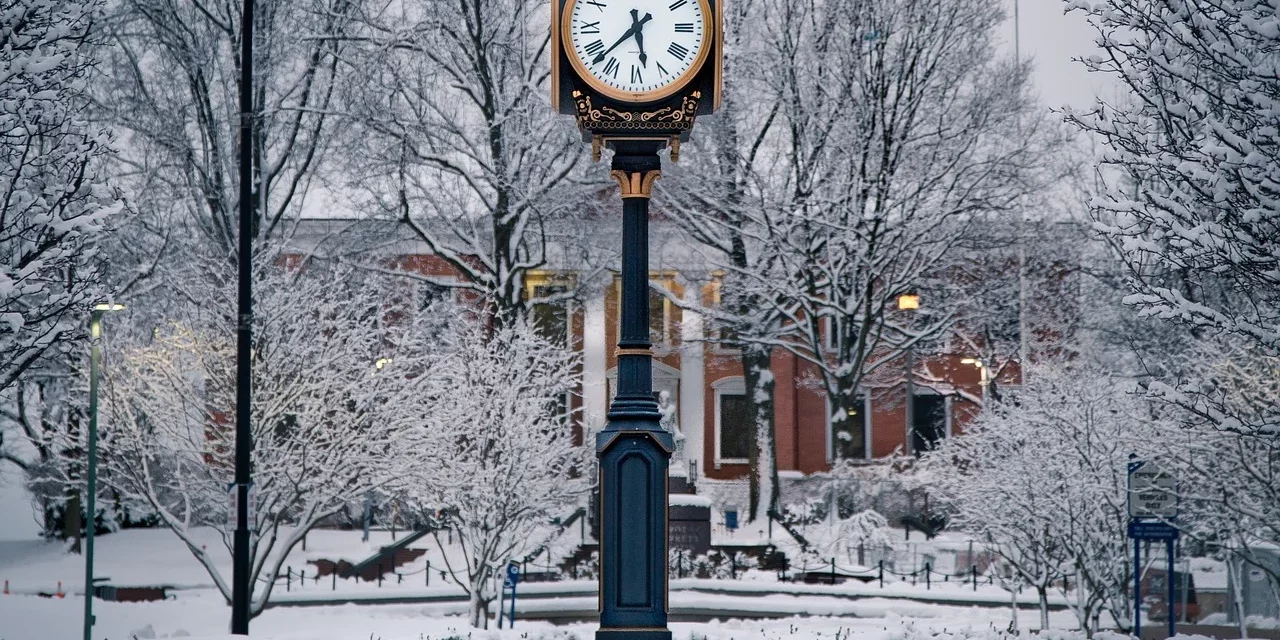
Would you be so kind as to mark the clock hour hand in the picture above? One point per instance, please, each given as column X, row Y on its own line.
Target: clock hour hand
column 638, row 26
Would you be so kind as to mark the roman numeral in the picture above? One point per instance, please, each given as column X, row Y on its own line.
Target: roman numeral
column 595, row 27
column 599, row 5
column 677, row 4
column 611, row 67
column 635, row 75
column 594, row 48
column 663, row 69
column 684, row 27
column 677, row 51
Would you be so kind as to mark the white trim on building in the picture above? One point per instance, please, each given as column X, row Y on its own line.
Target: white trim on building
column 733, row 385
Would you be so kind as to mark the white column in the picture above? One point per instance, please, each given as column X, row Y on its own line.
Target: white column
column 692, row 377
column 594, row 393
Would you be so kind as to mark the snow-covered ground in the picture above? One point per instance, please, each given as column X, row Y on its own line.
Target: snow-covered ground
column 156, row 557
column 203, row 614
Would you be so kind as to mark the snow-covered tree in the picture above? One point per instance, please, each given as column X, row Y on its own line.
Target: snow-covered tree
column 1043, row 478
column 1194, row 162
column 170, row 90
column 716, row 194
column 457, row 140
column 500, row 462
column 1190, row 201
column 325, row 417
column 53, row 203
column 891, row 143
column 1229, row 482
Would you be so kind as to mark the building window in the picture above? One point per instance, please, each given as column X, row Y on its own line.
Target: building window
column 664, row 315
column 551, row 319
column 427, row 294
column 850, row 438
column 831, row 333
column 733, row 422
column 658, row 317
column 727, row 338
column 930, row 416
column 726, row 335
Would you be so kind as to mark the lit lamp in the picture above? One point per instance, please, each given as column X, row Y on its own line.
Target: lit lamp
column 95, row 331
column 984, row 380
column 382, row 362
column 909, row 301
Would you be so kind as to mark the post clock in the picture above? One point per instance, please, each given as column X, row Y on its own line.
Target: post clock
column 635, row 74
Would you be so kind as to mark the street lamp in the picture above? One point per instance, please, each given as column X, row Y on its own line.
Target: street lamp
column 95, row 333
column 983, row 372
column 909, row 301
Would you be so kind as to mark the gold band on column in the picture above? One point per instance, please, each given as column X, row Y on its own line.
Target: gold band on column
column 635, row 352
column 635, row 184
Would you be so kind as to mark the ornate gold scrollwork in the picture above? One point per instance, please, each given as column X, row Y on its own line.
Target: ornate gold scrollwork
column 635, row 184
column 604, row 117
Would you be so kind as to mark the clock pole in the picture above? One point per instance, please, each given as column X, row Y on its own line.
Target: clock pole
column 636, row 121
column 634, row 450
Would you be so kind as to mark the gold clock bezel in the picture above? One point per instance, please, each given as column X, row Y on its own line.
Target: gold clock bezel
column 638, row 97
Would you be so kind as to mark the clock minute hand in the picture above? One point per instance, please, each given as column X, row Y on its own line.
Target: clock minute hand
column 630, row 32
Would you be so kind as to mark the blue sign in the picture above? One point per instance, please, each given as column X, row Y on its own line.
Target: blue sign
column 1140, row 530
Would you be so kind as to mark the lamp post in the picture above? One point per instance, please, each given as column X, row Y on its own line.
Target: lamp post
column 95, row 332
column 910, row 302
column 984, row 376
column 241, row 588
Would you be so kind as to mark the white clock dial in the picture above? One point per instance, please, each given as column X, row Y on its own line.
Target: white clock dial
column 638, row 47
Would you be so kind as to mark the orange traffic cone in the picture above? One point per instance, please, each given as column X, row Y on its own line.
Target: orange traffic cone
column 60, row 594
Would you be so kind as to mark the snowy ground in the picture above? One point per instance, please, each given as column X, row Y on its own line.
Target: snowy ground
column 156, row 557
column 202, row 614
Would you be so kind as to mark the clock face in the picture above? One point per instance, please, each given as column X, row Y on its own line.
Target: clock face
column 637, row 49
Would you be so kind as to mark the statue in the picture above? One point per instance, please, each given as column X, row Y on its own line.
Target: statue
column 671, row 424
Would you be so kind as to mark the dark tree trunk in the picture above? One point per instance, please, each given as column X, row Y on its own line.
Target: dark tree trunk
column 759, row 383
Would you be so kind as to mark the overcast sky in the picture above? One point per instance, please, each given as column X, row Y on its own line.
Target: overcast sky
column 1051, row 39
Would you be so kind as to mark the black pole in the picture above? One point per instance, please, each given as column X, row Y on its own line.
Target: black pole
column 1137, row 588
column 1173, row 630
column 634, row 450
column 240, row 585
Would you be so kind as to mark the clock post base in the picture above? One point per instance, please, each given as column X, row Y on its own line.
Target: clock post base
column 633, row 634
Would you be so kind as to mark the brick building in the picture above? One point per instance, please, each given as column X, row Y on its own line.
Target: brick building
column 703, row 381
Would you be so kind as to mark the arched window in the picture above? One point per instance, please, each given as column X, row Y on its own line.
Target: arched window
column 734, row 429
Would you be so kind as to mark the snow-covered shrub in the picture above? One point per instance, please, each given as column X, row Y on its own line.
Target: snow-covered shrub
column 494, row 445
column 1043, row 478
column 325, row 420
